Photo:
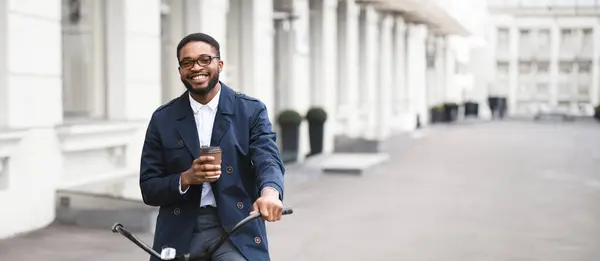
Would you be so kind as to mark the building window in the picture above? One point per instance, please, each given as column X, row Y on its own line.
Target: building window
column 525, row 67
column 584, row 67
column 503, row 38
column 83, row 45
column 543, row 67
column 544, row 40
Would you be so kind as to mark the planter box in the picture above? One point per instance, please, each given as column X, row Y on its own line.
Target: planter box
column 316, row 130
column 290, row 140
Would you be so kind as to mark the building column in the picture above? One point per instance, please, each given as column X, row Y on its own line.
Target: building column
column 368, row 61
column 292, row 63
column 255, row 50
column 400, row 86
column 440, row 65
column 416, row 74
column 133, row 59
column 172, row 22
column 27, row 78
column 209, row 17
column 449, row 71
column 348, row 73
column 554, row 65
column 431, row 70
column 595, row 88
column 323, row 64
column 386, row 76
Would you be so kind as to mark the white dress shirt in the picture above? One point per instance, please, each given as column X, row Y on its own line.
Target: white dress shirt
column 205, row 119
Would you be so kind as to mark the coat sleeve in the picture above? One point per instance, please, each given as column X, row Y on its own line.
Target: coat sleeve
column 157, row 187
column 264, row 153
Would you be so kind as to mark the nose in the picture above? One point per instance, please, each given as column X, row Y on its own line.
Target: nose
column 196, row 66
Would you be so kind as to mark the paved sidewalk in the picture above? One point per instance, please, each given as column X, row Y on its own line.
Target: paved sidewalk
column 499, row 191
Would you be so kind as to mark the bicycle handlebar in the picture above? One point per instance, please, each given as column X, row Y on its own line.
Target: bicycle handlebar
column 169, row 253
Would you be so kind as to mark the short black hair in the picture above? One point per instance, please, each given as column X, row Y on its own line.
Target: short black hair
column 199, row 37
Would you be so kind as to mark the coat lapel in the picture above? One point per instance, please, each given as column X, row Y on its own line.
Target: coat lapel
column 186, row 126
column 222, row 119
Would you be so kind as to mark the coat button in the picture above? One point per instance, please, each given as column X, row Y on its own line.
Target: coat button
column 240, row 205
column 257, row 240
column 176, row 211
column 229, row 169
column 180, row 143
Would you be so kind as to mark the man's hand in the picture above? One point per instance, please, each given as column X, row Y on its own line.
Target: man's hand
column 200, row 172
column 269, row 205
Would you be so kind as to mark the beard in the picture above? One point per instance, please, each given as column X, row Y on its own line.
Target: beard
column 203, row 91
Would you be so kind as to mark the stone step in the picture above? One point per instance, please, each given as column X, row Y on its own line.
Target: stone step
column 351, row 163
column 100, row 211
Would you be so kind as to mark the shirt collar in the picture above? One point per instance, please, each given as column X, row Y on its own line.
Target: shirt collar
column 212, row 104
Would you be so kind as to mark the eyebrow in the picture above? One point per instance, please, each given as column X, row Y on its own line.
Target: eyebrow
column 194, row 58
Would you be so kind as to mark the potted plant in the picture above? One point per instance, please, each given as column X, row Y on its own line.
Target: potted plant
column 450, row 111
column 471, row 109
column 289, row 122
column 437, row 114
column 316, row 118
column 597, row 112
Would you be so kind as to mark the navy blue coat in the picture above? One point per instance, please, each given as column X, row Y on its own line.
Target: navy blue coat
column 250, row 162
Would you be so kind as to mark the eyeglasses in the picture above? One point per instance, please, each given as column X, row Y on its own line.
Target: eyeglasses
column 203, row 60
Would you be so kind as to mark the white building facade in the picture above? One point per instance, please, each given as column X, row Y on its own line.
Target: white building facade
column 79, row 79
column 546, row 55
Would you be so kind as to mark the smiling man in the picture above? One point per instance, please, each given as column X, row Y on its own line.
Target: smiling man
column 197, row 197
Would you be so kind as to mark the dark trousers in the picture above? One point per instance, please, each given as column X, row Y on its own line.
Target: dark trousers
column 207, row 232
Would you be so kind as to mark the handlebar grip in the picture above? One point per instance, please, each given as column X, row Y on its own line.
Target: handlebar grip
column 287, row 211
column 115, row 227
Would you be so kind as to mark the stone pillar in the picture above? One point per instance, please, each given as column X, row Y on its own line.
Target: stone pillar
column 369, row 78
column 348, row 73
column 440, row 65
column 209, row 17
column 554, row 64
column 400, row 86
column 30, row 64
column 172, row 22
column 323, row 64
column 449, row 71
column 133, row 59
column 386, row 77
column 292, row 64
column 416, row 74
column 257, row 56
column 431, row 70
column 595, row 88
column 512, row 93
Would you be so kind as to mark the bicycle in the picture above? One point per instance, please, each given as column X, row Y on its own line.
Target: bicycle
column 169, row 254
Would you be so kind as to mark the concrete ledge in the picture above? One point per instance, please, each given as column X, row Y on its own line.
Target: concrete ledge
column 343, row 144
column 352, row 163
column 96, row 211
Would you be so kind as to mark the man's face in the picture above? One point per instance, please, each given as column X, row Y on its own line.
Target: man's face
column 199, row 67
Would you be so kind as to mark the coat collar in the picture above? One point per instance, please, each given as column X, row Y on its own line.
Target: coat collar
column 225, row 106
column 186, row 124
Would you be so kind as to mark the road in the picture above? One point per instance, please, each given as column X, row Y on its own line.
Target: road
column 489, row 191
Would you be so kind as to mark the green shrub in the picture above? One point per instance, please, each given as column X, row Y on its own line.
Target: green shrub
column 316, row 115
column 289, row 117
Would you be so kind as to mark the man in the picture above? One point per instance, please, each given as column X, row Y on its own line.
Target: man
column 198, row 200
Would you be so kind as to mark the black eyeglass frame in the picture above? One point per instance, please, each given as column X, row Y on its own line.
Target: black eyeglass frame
column 202, row 60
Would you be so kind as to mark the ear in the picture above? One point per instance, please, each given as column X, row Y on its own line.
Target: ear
column 221, row 65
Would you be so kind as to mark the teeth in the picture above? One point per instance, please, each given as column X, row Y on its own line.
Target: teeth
column 198, row 77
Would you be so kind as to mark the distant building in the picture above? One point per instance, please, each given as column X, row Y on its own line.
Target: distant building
column 546, row 55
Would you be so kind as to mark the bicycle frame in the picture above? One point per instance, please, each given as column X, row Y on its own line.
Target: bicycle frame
column 170, row 253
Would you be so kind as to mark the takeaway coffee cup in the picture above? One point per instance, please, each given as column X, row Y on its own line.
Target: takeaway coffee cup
column 212, row 151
